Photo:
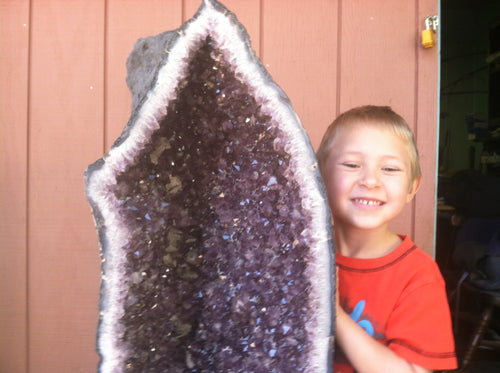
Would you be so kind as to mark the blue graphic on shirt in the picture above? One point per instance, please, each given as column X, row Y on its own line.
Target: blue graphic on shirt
column 355, row 315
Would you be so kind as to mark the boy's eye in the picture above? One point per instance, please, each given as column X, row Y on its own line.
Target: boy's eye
column 350, row 165
column 390, row 169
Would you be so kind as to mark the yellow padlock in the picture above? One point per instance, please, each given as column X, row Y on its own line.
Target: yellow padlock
column 431, row 24
column 428, row 38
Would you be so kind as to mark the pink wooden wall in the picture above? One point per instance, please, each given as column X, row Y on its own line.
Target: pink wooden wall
column 64, row 100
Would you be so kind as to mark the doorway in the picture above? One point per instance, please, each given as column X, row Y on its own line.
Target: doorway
column 469, row 133
column 470, row 86
column 469, row 129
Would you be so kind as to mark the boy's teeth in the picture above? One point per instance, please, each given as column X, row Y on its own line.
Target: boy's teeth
column 369, row 203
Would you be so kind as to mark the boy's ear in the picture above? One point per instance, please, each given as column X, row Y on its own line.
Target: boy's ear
column 415, row 186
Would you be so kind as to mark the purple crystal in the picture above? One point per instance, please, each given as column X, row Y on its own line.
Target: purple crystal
column 210, row 244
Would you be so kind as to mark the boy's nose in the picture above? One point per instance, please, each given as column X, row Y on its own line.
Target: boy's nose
column 370, row 177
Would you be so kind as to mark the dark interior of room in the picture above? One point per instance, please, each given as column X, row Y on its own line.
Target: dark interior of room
column 468, row 215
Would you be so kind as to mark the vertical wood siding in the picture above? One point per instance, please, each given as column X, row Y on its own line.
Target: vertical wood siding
column 14, row 55
column 64, row 101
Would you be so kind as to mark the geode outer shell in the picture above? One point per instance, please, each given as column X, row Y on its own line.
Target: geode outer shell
column 215, row 234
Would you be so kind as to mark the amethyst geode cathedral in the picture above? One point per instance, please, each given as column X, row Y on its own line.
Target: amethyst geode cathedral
column 212, row 217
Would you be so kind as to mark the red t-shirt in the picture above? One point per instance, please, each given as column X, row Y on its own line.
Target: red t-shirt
column 399, row 299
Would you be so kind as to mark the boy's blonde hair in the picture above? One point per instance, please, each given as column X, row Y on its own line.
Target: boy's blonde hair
column 381, row 116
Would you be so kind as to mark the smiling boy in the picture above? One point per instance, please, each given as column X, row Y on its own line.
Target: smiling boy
column 391, row 307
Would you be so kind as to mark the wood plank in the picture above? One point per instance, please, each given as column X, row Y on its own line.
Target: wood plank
column 66, row 134
column 427, row 131
column 299, row 48
column 378, row 54
column 377, row 65
column 127, row 21
column 14, row 39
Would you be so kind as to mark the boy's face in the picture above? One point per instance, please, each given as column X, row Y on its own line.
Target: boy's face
column 368, row 177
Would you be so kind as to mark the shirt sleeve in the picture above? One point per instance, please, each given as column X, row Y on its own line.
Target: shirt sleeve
column 419, row 329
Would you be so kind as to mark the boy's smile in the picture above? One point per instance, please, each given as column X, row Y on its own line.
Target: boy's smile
column 368, row 177
column 367, row 202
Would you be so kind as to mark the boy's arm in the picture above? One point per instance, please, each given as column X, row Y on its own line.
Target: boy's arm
column 365, row 353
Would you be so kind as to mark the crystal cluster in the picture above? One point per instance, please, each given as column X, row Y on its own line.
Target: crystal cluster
column 214, row 257
column 221, row 234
